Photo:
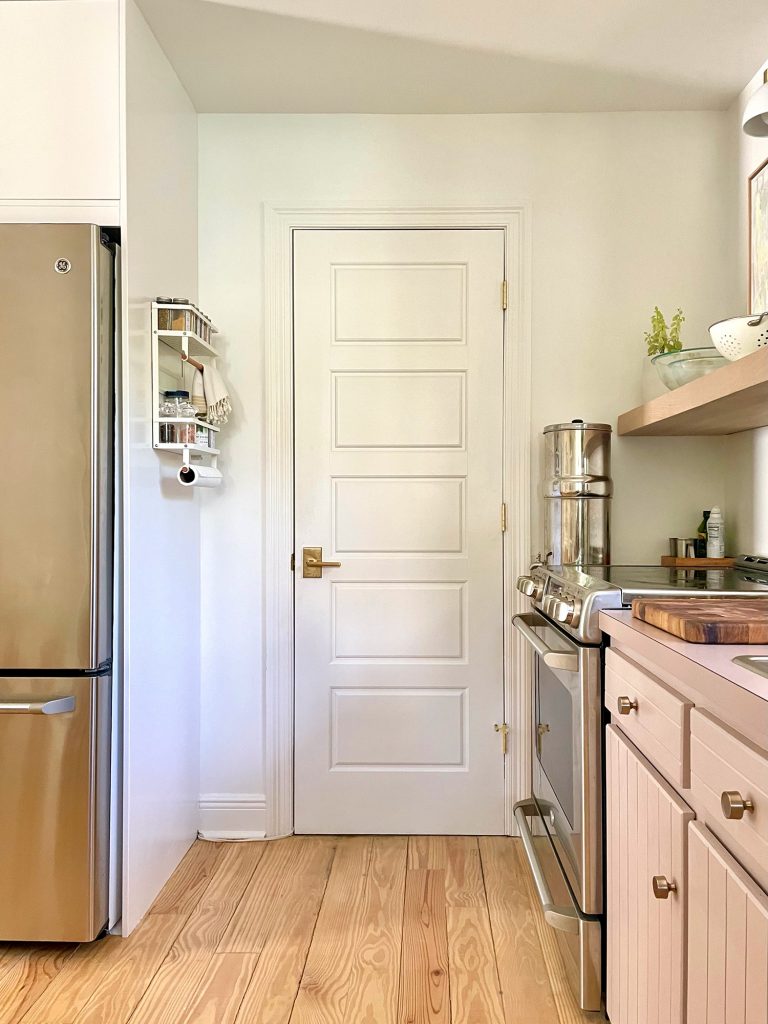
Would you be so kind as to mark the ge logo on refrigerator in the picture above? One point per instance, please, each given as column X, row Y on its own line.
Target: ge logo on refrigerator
column 62, row 266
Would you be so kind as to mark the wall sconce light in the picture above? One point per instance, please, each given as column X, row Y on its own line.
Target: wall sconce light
column 755, row 121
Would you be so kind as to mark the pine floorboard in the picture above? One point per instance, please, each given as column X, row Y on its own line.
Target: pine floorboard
column 314, row 930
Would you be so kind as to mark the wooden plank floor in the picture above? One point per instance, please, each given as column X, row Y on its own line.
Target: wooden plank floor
column 314, row 930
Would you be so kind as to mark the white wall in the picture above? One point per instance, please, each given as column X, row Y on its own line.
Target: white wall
column 626, row 211
column 162, row 520
column 747, row 481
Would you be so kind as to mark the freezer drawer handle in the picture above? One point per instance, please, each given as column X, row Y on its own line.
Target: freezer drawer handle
column 565, row 919
column 555, row 659
column 45, row 707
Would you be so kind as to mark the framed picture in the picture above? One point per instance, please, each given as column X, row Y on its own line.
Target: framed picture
column 758, row 239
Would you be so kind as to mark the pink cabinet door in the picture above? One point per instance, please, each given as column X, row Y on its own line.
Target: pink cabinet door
column 728, row 928
column 646, row 837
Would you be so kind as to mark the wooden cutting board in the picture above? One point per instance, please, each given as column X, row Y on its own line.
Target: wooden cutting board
column 701, row 620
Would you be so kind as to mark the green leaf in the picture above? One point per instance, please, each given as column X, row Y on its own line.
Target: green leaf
column 661, row 338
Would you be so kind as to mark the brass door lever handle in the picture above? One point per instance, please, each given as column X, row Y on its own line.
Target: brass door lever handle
column 313, row 564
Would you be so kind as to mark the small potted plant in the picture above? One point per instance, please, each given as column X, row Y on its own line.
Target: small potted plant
column 674, row 364
column 662, row 339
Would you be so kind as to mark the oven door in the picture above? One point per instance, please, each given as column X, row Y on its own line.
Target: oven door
column 567, row 754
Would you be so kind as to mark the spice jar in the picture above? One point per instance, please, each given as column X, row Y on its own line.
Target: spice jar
column 203, row 435
column 186, row 433
column 182, row 319
column 197, row 321
column 205, row 327
column 163, row 315
column 167, row 408
column 177, row 406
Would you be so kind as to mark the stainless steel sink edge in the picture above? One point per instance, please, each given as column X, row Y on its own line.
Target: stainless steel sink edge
column 757, row 663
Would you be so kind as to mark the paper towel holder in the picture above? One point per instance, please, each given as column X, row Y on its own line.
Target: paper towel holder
column 198, row 475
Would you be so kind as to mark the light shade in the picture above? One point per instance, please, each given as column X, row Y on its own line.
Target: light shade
column 755, row 120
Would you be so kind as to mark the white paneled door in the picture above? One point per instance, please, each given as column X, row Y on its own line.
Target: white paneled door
column 398, row 364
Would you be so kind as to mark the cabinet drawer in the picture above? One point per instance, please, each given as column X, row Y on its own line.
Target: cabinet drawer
column 658, row 721
column 728, row 929
column 724, row 762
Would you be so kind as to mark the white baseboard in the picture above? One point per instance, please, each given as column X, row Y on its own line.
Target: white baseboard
column 233, row 816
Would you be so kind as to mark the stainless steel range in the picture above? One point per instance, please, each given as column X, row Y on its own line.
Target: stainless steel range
column 561, row 824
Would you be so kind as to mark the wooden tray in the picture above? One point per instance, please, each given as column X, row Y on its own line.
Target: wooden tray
column 708, row 620
column 673, row 562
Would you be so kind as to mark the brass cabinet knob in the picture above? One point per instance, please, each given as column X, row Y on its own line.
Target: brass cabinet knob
column 626, row 704
column 734, row 805
column 662, row 887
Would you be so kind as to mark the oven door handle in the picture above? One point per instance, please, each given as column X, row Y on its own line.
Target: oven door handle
column 565, row 919
column 554, row 659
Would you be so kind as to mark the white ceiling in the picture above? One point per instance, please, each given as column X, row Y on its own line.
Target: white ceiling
column 473, row 56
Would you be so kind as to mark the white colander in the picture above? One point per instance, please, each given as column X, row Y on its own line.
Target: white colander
column 740, row 335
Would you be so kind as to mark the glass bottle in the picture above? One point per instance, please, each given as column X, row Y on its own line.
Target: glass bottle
column 186, row 433
column 701, row 536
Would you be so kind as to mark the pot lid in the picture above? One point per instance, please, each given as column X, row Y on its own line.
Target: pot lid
column 578, row 425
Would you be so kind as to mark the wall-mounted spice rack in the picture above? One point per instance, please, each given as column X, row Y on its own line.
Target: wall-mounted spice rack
column 182, row 330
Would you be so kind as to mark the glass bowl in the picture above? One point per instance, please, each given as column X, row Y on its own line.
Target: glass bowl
column 687, row 364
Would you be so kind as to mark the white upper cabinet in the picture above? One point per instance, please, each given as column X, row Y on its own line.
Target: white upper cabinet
column 60, row 112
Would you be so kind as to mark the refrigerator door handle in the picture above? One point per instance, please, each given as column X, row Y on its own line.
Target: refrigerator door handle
column 46, row 707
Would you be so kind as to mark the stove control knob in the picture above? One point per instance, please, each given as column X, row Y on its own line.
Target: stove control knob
column 530, row 586
column 562, row 611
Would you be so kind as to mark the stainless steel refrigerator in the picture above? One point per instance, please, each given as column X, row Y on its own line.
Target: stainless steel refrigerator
column 57, row 288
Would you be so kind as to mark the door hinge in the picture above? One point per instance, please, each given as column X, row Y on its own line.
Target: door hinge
column 293, row 561
column 503, row 517
column 503, row 731
column 504, row 294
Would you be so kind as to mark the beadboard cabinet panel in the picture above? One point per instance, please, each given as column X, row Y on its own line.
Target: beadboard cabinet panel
column 646, row 837
column 728, row 926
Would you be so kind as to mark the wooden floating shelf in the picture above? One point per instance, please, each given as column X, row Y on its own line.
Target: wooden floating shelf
column 726, row 401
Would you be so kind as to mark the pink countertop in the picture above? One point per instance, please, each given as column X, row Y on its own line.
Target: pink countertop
column 715, row 658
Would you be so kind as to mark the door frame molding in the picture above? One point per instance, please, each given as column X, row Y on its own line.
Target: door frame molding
column 280, row 221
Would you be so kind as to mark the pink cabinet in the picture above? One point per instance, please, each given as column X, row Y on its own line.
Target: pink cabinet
column 728, row 928
column 646, row 881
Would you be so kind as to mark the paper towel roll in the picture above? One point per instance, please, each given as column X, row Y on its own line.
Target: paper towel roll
column 199, row 476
